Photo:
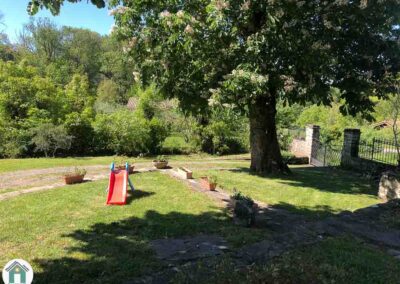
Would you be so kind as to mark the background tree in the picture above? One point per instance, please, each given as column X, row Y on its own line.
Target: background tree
column 6, row 51
column 49, row 138
column 250, row 53
column 42, row 35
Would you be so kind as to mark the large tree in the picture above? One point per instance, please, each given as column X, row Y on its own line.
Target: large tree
column 250, row 53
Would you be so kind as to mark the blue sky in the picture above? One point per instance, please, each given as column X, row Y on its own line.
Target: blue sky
column 81, row 15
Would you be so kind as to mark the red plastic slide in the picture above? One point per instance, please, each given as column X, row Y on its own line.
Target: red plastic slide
column 117, row 187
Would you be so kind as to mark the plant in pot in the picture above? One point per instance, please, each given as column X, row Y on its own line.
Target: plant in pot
column 244, row 209
column 74, row 176
column 161, row 162
column 121, row 165
column 209, row 182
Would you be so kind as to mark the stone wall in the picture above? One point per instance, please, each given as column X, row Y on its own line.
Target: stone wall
column 298, row 147
column 306, row 147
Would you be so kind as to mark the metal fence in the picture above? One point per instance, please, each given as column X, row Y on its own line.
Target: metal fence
column 326, row 155
column 379, row 150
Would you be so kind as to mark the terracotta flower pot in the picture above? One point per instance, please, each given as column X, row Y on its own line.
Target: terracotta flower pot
column 205, row 184
column 71, row 179
column 160, row 164
column 130, row 168
column 185, row 173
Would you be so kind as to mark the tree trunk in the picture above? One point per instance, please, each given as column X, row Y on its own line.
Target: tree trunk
column 265, row 151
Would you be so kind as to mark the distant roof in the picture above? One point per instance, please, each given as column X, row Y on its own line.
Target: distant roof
column 385, row 123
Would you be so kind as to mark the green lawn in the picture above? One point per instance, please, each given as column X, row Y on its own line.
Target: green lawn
column 335, row 260
column 69, row 235
column 9, row 165
column 313, row 191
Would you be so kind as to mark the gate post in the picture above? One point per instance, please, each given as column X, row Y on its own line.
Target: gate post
column 351, row 142
column 312, row 141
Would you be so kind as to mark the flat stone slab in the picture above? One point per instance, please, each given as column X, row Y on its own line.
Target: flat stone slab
column 188, row 248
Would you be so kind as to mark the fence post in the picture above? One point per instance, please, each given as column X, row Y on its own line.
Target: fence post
column 351, row 143
column 312, row 141
column 325, row 154
column 373, row 149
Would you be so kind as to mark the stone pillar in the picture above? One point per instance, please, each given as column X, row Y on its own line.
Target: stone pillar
column 351, row 141
column 312, row 141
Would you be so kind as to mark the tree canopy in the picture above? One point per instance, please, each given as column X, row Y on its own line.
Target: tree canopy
column 250, row 53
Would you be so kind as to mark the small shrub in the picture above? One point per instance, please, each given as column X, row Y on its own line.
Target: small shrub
column 212, row 179
column 75, row 172
column 161, row 158
column 244, row 208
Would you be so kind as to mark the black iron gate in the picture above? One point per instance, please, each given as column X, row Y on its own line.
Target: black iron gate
column 326, row 155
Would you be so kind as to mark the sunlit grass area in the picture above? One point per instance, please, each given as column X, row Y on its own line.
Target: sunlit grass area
column 69, row 235
column 9, row 165
column 308, row 190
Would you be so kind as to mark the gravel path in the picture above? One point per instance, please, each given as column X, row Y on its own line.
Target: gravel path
column 16, row 183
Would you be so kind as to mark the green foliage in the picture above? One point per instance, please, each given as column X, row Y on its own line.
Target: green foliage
column 49, row 138
column 107, row 92
column 212, row 179
column 75, row 172
column 244, row 208
column 176, row 144
column 77, row 94
column 161, row 158
column 226, row 132
column 79, row 125
column 149, row 101
column 15, row 142
column 125, row 132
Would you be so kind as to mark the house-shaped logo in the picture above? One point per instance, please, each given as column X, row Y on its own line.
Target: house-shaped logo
column 17, row 271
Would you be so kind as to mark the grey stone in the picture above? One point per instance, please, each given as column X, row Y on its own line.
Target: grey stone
column 389, row 186
column 188, row 248
column 393, row 252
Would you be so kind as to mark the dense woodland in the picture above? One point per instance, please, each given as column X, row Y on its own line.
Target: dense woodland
column 68, row 91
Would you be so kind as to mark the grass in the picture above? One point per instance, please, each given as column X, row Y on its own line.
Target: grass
column 391, row 218
column 70, row 236
column 314, row 191
column 9, row 165
column 335, row 260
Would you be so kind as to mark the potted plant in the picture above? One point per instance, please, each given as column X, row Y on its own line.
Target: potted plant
column 208, row 182
column 244, row 209
column 121, row 165
column 160, row 162
column 74, row 176
column 185, row 173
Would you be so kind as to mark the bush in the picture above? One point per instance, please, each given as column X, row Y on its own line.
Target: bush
column 80, row 127
column 15, row 142
column 49, row 138
column 244, row 208
column 127, row 133
column 176, row 144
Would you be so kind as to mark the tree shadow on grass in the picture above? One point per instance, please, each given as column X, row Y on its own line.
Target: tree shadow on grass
column 118, row 251
column 314, row 212
column 326, row 179
column 137, row 194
